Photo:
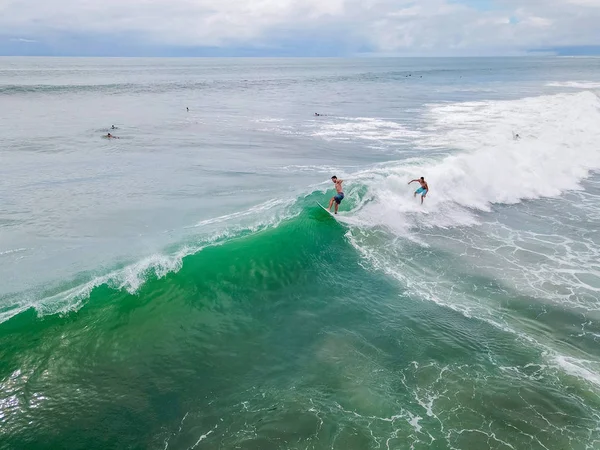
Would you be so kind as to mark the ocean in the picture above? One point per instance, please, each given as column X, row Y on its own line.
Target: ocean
column 180, row 287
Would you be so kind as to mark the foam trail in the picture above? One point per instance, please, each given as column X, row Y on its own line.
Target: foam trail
column 204, row 436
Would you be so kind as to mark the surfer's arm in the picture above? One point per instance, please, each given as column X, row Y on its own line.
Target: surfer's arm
column 412, row 181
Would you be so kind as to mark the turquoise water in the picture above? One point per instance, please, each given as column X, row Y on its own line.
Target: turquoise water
column 180, row 287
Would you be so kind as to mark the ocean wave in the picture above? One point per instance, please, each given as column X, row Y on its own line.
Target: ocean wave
column 575, row 84
column 396, row 235
column 9, row 252
column 557, row 151
column 18, row 89
column 132, row 277
column 115, row 88
column 365, row 128
column 553, row 156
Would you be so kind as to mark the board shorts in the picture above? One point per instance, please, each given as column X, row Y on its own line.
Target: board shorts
column 339, row 197
column 421, row 191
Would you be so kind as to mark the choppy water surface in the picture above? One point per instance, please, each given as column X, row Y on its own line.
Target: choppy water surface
column 180, row 288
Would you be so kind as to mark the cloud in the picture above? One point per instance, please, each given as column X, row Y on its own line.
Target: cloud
column 425, row 27
column 592, row 3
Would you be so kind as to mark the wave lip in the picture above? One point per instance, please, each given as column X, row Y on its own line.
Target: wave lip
column 251, row 212
column 131, row 277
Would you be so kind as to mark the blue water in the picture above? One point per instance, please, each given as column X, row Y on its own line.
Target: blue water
column 179, row 287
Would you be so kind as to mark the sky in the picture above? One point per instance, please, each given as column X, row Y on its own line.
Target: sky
column 299, row 27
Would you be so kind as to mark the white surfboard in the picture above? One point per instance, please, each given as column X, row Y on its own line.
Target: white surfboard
column 332, row 214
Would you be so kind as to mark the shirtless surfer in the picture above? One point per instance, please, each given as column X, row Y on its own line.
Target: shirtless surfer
column 423, row 190
column 340, row 193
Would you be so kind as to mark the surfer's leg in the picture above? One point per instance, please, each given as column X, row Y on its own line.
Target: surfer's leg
column 337, row 205
column 331, row 203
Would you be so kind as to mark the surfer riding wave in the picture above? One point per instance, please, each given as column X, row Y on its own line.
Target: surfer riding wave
column 339, row 196
column 423, row 190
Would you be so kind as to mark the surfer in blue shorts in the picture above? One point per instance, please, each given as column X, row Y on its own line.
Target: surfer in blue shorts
column 423, row 190
column 340, row 193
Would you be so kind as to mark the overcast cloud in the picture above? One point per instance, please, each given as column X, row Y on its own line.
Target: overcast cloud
column 425, row 27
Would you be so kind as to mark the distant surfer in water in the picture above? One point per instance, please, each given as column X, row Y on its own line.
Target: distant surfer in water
column 423, row 190
column 516, row 137
column 318, row 115
column 113, row 128
column 188, row 109
column 110, row 136
column 340, row 193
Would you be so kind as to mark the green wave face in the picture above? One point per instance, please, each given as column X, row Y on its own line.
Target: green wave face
column 281, row 339
column 231, row 315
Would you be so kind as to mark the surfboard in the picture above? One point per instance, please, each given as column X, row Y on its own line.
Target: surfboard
column 330, row 213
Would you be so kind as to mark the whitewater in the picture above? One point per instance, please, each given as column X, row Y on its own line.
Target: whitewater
column 470, row 321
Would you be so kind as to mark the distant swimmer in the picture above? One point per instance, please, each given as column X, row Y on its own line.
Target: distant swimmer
column 516, row 136
column 340, row 193
column 423, row 190
column 318, row 115
column 113, row 128
column 110, row 136
column 188, row 109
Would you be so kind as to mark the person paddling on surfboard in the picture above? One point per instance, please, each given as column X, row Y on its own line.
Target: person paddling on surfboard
column 340, row 193
column 423, row 190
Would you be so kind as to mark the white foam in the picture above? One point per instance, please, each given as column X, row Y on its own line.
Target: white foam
column 580, row 368
column 557, row 150
column 16, row 250
column 575, row 84
column 414, row 422
column 204, row 436
column 267, row 120
column 130, row 278
column 311, row 168
column 365, row 128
